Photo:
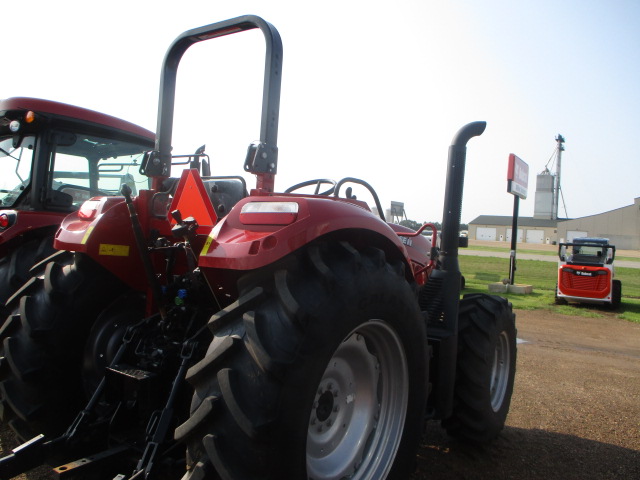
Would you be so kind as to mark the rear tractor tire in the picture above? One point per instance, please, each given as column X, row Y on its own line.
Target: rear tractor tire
column 319, row 371
column 42, row 343
column 486, row 367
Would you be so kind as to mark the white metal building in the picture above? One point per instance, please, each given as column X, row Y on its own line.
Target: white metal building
column 496, row 228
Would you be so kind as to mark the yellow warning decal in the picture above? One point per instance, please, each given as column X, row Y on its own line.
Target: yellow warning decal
column 206, row 246
column 114, row 250
column 86, row 235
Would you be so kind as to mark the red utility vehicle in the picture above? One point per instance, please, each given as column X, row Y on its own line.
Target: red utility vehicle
column 276, row 335
column 586, row 273
column 53, row 157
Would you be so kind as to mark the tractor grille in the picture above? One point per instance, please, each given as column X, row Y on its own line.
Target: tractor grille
column 596, row 283
column 574, row 282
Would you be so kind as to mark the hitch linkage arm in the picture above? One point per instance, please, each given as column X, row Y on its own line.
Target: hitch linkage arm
column 161, row 424
column 38, row 450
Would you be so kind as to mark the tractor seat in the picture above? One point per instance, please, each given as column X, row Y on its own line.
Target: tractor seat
column 169, row 185
column 224, row 192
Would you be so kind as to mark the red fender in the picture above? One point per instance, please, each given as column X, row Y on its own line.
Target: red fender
column 245, row 241
column 24, row 222
column 101, row 229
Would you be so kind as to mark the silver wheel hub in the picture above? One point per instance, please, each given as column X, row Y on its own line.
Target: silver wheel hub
column 359, row 409
column 500, row 371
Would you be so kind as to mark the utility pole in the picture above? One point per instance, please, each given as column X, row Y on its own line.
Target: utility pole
column 556, row 193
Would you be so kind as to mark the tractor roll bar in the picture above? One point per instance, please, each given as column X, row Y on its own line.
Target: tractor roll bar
column 267, row 159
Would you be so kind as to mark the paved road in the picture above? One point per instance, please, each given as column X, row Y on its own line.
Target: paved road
column 533, row 256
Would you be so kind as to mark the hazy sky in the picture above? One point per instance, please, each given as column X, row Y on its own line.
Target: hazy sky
column 371, row 89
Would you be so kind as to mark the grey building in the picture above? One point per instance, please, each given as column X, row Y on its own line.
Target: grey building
column 621, row 226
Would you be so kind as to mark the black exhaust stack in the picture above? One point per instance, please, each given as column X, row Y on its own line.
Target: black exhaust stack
column 453, row 201
column 439, row 298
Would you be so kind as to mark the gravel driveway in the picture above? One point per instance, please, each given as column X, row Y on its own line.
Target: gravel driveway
column 575, row 413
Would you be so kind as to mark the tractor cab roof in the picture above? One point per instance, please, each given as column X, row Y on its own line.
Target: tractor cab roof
column 71, row 113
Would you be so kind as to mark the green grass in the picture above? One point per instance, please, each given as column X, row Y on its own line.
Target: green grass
column 481, row 271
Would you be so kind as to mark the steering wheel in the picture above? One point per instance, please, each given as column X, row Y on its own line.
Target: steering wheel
column 317, row 182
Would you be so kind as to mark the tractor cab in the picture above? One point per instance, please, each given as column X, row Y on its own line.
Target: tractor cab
column 54, row 156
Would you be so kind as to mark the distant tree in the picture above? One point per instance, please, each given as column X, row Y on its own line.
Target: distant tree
column 412, row 224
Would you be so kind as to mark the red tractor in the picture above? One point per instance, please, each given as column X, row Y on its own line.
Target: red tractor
column 276, row 335
column 53, row 157
column 586, row 273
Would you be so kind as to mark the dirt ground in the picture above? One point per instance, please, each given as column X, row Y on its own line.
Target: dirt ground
column 575, row 412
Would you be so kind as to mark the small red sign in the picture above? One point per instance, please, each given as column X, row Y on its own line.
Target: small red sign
column 517, row 176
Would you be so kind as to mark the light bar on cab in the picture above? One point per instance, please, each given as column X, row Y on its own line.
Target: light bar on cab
column 269, row 213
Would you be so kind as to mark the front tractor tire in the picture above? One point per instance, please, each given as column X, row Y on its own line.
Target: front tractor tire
column 616, row 294
column 15, row 266
column 318, row 371
column 486, row 367
column 42, row 343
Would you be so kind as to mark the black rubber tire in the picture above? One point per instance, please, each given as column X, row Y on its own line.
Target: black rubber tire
column 616, row 294
column 485, row 370
column 106, row 335
column 42, row 344
column 559, row 300
column 15, row 266
column 265, row 372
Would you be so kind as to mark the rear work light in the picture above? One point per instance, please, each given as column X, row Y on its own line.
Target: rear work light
column 88, row 209
column 269, row 213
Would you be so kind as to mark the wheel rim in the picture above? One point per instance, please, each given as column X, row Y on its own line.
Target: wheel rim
column 358, row 414
column 500, row 371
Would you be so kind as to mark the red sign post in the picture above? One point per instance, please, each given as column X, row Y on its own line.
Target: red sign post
column 517, row 185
